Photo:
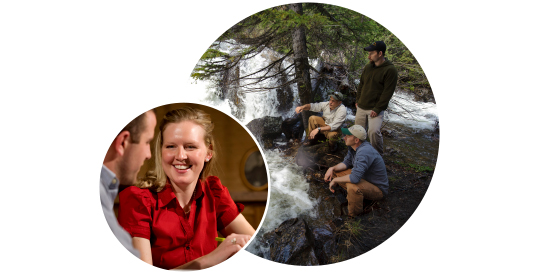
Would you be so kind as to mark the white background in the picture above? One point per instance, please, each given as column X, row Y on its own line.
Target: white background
column 74, row 72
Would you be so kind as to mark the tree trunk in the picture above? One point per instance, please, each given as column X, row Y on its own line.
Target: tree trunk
column 301, row 64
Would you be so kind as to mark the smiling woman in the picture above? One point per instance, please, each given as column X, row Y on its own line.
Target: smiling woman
column 175, row 212
column 184, row 154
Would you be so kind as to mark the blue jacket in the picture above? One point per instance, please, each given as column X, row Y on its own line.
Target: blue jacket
column 367, row 164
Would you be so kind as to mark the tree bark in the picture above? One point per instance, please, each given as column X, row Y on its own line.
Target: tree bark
column 301, row 64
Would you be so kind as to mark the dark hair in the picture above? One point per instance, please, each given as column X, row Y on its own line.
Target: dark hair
column 136, row 127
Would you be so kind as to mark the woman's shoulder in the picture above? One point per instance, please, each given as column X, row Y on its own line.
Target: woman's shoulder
column 213, row 183
column 133, row 192
column 225, row 206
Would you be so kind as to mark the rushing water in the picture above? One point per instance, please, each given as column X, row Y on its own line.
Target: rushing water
column 288, row 187
column 407, row 112
column 289, row 196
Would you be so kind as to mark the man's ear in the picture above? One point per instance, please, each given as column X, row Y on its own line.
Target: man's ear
column 121, row 142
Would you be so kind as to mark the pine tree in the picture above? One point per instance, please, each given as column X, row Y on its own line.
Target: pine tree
column 297, row 33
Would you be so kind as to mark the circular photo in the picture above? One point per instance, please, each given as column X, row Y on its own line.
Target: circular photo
column 183, row 186
column 347, row 120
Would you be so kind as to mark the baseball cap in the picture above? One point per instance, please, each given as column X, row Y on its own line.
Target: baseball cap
column 378, row 46
column 357, row 131
column 337, row 95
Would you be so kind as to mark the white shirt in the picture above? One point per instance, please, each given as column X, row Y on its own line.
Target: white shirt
column 108, row 189
column 333, row 118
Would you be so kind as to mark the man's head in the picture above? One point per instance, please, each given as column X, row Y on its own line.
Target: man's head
column 131, row 147
column 354, row 136
column 335, row 99
column 376, row 52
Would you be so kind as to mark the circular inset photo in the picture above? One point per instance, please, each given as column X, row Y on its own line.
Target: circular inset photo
column 183, row 186
column 347, row 120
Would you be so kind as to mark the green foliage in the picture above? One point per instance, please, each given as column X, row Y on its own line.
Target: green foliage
column 279, row 18
column 348, row 234
column 213, row 53
column 317, row 97
column 415, row 167
column 353, row 227
column 419, row 168
column 334, row 34
column 338, row 140
column 410, row 72
column 331, row 30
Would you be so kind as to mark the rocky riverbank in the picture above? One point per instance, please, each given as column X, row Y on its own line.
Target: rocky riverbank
column 329, row 236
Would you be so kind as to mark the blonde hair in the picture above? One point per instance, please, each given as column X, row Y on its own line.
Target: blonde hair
column 156, row 179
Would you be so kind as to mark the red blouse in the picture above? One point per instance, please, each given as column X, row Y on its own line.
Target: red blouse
column 175, row 238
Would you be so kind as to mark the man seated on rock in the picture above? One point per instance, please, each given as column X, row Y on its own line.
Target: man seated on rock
column 362, row 173
column 334, row 113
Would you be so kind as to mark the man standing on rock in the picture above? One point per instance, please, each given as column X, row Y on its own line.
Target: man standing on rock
column 362, row 173
column 334, row 113
column 377, row 85
column 122, row 162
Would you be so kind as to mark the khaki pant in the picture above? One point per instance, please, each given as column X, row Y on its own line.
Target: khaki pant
column 316, row 122
column 373, row 128
column 357, row 192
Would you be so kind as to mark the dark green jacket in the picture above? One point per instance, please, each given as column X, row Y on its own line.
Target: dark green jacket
column 377, row 85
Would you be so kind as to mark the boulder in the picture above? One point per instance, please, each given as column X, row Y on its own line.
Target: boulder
column 318, row 156
column 309, row 156
column 266, row 129
column 422, row 94
column 289, row 244
column 324, row 243
column 293, row 128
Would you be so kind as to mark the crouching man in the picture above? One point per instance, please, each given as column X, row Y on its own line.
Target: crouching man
column 362, row 173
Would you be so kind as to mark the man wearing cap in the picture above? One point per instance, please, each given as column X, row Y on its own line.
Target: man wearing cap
column 122, row 162
column 334, row 113
column 362, row 173
column 377, row 84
